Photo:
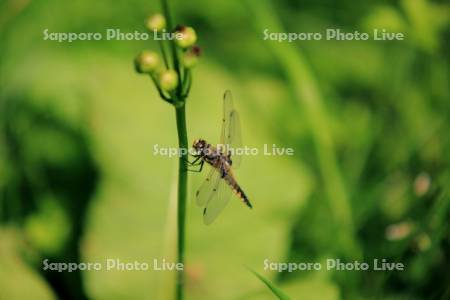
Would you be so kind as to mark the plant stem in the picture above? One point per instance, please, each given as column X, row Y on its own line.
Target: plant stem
column 182, row 187
column 176, row 61
column 163, row 51
column 179, row 103
column 166, row 12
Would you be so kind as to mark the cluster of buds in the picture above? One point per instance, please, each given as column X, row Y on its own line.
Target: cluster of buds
column 171, row 73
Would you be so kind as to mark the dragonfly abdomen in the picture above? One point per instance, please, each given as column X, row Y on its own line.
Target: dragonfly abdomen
column 237, row 190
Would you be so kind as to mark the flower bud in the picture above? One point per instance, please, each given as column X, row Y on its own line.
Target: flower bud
column 156, row 22
column 187, row 38
column 190, row 57
column 168, row 80
column 146, row 62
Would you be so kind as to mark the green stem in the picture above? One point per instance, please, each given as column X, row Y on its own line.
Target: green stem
column 166, row 12
column 160, row 91
column 176, row 61
column 179, row 101
column 182, row 188
column 163, row 52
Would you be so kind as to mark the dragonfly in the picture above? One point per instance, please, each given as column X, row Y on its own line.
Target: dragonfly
column 214, row 193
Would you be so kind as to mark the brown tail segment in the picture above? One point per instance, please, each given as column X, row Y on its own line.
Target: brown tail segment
column 238, row 191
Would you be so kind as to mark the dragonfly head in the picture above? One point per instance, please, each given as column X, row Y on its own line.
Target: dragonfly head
column 199, row 145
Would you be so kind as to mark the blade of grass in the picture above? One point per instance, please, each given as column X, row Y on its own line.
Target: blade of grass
column 306, row 90
column 273, row 288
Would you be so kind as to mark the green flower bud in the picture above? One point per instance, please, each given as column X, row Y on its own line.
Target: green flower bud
column 146, row 62
column 156, row 22
column 187, row 37
column 168, row 80
column 190, row 57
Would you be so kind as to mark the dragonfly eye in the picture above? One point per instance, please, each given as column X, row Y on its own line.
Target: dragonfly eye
column 199, row 144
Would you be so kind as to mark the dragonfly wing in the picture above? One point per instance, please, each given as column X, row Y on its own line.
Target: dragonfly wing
column 208, row 187
column 231, row 128
column 217, row 202
column 227, row 110
column 235, row 140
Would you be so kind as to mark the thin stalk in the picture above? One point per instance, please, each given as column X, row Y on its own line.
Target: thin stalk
column 160, row 91
column 178, row 100
column 182, row 193
column 188, row 82
column 163, row 51
column 166, row 11
column 176, row 61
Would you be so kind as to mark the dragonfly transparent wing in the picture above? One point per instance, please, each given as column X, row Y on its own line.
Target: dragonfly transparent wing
column 208, row 188
column 235, row 140
column 231, row 129
column 217, row 202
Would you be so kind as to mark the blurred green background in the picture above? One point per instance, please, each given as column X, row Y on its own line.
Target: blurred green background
column 369, row 122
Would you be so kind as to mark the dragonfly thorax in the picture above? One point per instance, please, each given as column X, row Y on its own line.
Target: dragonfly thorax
column 208, row 152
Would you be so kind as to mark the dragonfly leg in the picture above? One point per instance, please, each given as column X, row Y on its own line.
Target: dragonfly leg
column 194, row 162
column 201, row 163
